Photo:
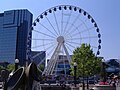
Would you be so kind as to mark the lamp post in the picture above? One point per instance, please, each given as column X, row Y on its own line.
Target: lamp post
column 104, row 72
column 16, row 64
column 75, row 65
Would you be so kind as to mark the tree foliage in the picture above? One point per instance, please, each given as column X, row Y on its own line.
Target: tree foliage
column 1, row 67
column 87, row 63
column 11, row 67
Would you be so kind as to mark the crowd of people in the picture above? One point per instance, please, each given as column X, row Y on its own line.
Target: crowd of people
column 115, row 81
column 112, row 81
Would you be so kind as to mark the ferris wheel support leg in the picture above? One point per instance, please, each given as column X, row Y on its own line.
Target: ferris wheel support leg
column 52, row 62
column 68, row 56
column 56, row 57
column 46, row 70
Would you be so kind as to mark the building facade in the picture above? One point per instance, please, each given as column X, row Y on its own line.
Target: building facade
column 62, row 66
column 38, row 57
column 14, row 30
column 113, row 65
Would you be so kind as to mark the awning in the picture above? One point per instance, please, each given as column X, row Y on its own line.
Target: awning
column 112, row 69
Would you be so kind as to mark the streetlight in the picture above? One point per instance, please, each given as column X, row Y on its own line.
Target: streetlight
column 75, row 65
column 16, row 64
column 103, row 70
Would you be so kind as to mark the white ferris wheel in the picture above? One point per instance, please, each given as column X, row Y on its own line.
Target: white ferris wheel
column 59, row 30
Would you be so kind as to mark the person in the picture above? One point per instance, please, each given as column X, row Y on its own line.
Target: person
column 4, row 76
column 117, row 82
column 113, row 83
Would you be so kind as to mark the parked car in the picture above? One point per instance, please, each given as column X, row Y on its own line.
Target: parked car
column 91, row 80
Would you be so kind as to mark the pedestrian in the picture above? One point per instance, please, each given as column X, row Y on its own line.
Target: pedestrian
column 117, row 82
column 114, row 83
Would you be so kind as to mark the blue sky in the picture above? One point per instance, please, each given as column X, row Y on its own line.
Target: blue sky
column 105, row 12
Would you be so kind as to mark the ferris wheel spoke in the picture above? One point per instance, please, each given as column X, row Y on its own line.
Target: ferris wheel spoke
column 36, row 55
column 83, row 38
column 75, row 20
column 67, row 22
column 47, row 29
column 36, row 46
column 85, row 30
column 70, row 45
column 74, row 42
column 42, row 45
column 69, row 48
column 74, row 30
column 77, row 28
column 56, row 22
column 44, row 34
column 52, row 26
column 62, row 23
column 43, row 60
column 88, row 29
column 67, row 37
column 43, row 39
column 47, row 48
column 52, row 49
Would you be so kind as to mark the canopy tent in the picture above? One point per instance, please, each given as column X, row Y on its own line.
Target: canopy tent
column 112, row 69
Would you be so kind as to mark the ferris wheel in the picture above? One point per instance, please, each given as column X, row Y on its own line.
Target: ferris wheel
column 61, row 29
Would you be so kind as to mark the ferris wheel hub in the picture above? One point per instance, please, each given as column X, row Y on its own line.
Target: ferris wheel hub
column 60, row 39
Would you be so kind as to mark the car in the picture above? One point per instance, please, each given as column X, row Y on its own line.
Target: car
column 91, row 80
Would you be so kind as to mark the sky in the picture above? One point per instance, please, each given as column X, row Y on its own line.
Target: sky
column 105, row 12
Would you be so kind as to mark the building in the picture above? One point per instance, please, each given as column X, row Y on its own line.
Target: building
column 14, row 29
column 4, row 64
column 113, row 66
column 62, row 66
column 38, row 57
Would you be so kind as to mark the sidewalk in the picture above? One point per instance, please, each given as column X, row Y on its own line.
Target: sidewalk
column 1, row 85
column 118, row 88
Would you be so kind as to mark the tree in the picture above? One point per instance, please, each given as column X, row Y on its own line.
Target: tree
column 87, row 63
column 1, row 67
column 11, row 67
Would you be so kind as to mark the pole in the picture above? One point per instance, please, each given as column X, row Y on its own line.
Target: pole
column 83, row 77
column 104, row 73
column 16, row 64
column 75, row 76
column 83, row 84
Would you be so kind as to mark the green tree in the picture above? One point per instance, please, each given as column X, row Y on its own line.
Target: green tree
column 87, row 63
column 11, row 67
column 1, row 67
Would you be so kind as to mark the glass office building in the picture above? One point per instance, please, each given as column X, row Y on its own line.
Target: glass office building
column 14, row 30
